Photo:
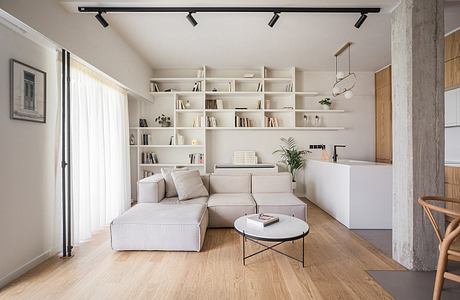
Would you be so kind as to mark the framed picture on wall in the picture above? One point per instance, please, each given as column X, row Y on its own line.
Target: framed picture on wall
column 27, row 92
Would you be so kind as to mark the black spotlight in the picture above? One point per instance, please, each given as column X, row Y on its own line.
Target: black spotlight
column 361, row 20
column 191, row 19
column 101, row 20
column 273, row 20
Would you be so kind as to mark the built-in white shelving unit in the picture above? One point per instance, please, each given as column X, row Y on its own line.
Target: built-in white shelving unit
column 258, row 98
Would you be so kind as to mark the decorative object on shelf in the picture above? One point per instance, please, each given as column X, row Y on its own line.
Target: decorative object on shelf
column 214, row 90
column 259, row 104
column 28, row 93
column 163, row 120
column 194, row 141
column 267, row 104
column 180, row 139
column 344, row 83
column 171, row 140
column 248, row 75
column 291, row 157
column 187, row 104
column 317, row 121
column 143, row 123
column 326, row 103
column 199, row 73
column 132, row 140
column 305, row 120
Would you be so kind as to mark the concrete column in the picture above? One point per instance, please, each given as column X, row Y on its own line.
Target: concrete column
column 417, row 47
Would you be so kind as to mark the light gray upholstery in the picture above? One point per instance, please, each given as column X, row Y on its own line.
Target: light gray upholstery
column 281, row 203
column 151, row 189
column 222, row 184
column 224, row 209
column 279, row 183
column 189, row 185
column 153, row 226
column 175, row 200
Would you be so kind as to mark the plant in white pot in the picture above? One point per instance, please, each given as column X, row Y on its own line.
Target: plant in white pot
column 291, row 157
column 326, row 103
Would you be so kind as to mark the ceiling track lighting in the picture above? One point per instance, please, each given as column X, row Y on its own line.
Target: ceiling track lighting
column 101, row 19
column 191, row 19
column 364, row 11
column 361, row 20
column 274, row 19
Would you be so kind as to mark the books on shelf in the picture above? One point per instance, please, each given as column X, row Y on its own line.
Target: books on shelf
column 149, row 158
column 146, row 139
column 147, row 173
column 180, row 104
column 219, row 104
column 271, row 122
column 214, row 104
column 243, row 122
column 260, row 87
column 204, row 121
column 197, row 87
column 288, row 87
column 196, row 158
column 262, row 220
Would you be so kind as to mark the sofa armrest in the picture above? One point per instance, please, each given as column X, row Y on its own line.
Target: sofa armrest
column 151, row 189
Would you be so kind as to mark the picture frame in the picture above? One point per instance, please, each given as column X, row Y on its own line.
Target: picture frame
column 27, row 92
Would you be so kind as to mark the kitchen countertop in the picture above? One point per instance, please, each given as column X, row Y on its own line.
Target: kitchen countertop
column 351, row 162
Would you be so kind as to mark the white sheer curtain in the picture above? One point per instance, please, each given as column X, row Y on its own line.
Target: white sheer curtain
column 99, row 151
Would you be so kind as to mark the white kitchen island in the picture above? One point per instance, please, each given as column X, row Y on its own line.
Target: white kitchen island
column 356, row 193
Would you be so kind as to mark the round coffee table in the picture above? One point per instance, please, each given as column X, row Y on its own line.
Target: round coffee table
column 286, row 229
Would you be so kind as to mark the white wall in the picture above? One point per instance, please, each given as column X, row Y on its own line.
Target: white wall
column 452, row 137
column 27, row 164
column 82, row 35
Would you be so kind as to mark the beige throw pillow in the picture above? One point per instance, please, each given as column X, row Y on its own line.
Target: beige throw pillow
column 189, row 184
column 169, row 182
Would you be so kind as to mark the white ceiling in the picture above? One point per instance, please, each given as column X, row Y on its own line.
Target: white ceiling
column 307, row 41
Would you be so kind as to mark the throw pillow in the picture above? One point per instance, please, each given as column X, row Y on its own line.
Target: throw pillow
column 189, row 185
column 169, row 182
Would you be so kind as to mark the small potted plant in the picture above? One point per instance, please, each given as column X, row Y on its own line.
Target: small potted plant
column 326, row 103
column 291, row 157
column 163, row 120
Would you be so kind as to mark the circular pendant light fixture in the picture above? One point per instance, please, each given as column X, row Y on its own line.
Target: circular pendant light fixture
column 344, row 83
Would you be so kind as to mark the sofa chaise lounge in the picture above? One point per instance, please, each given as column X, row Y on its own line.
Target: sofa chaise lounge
column 158, row 222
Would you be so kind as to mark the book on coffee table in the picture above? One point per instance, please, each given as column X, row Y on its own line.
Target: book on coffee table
column 262, row 220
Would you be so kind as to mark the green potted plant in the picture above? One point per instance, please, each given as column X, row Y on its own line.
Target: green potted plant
column 291, row 157
column 326, row 103
column 163, row 120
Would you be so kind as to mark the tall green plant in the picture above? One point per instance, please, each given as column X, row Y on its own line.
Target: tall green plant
column 291, row 157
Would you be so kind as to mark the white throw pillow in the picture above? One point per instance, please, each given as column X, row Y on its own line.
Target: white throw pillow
column 189, row 184
column 169, row 182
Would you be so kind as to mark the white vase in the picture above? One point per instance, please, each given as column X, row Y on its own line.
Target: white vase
column 326, row 107
column 294, row 185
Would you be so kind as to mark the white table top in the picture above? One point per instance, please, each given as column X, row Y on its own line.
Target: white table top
column 287, row 228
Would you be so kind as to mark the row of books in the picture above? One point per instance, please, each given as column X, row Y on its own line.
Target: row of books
column 146, row 139
column 243, row 122
column 214, row 104
column 196, row 158
column 204, row 121
column 197, row 87
column 260, row 86
column 181, row 105
column 147, row 173
column 271, row 122
column 289, row 87
column 156, row 89
column 149, row 158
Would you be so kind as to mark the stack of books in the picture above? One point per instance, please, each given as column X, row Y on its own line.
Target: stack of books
column 147, row 173
column 243, row 122
column 149, row 158
column 146, row 139
column 262, row 220
column 271, row 121
column 196, row 158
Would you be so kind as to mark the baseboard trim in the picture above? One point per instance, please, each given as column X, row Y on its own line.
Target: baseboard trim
column 24, row 268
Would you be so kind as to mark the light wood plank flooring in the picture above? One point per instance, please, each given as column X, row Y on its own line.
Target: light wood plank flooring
column 335, row 268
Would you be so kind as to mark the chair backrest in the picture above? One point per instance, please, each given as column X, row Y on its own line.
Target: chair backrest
column 430, row 208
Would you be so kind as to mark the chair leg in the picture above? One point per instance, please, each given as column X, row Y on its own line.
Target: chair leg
column 442, row 263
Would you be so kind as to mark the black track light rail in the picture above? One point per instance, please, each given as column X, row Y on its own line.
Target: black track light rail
column 147, row 9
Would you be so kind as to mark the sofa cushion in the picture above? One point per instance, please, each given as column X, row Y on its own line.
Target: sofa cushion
column 169, row 182
column 153, row 226
column 224, row 209
column 280, row 183
column 281, row 203
column 189, row 184
column 230, row 183
column 175, row 200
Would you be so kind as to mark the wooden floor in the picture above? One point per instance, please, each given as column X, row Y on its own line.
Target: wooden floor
column 335, row 268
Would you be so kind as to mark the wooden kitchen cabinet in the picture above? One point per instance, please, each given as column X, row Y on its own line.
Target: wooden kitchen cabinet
column 383, row 116
column 452, row 73
column 452, row 46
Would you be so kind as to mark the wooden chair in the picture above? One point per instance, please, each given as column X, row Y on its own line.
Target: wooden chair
column 446, row 252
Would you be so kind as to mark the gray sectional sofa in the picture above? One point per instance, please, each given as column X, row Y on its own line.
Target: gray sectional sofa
column 160, row 223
